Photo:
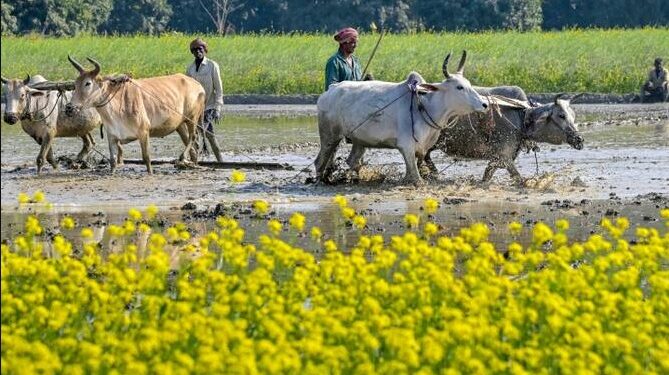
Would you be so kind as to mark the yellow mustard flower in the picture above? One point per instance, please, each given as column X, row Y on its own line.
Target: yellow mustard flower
column 359, row 221
column 515, row 227
column 340, row 201
column 134, row 214
column 274, row 226
column 38, row 196
column 23, row 198
column 411, row 220
column 151, row 211
column 297, row 221
column 430, row 229
column 316, row 233
column 237, row 176
column 86, row 233
column 260, row 207
column 431, row 205
column 67, row 223
column 562, row 225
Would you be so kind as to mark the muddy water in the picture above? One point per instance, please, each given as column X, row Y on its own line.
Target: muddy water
column 623, row 170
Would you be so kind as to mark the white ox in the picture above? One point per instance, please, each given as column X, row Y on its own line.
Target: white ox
column 139, row 109
column 42, row 116
column 408, row 116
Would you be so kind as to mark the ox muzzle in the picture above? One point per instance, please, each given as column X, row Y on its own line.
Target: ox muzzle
column 575, row 140
column 71, row 109
column 11, row 118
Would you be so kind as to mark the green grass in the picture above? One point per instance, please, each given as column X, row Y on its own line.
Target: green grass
column 614, row 61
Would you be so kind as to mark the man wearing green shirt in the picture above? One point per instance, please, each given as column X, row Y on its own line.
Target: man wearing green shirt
column 343, row 65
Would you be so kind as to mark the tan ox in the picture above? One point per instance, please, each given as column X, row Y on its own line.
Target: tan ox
column 139, row 109
column 43, row 117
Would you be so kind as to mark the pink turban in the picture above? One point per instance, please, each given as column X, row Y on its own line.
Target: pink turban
column 346, row 35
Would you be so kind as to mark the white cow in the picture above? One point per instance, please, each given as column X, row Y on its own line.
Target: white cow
column 408, row 116
column 42, row 116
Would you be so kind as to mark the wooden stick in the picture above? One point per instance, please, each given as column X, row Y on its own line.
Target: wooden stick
column 372, row 55
column 221, row 165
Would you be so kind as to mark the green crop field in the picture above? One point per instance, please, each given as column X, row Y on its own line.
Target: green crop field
column 607, row 61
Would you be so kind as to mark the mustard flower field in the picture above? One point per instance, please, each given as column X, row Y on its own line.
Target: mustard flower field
column 592, row 60
column 159, row 300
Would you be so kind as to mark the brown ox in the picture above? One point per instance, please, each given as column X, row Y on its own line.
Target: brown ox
column 139, row 109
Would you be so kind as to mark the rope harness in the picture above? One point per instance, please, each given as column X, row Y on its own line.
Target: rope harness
column 412, row 88
column 525, row 143
column 27, row 115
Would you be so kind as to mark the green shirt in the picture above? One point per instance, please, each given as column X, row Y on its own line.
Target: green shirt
column 337, row 70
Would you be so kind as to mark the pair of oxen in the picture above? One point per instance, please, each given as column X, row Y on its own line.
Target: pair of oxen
column 416, row 118
column 129, row 109
column 413, row 116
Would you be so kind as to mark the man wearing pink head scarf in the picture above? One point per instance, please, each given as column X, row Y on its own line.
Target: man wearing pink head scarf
column 343, row 65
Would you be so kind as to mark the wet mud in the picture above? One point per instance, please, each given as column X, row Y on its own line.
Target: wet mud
column 622, row 171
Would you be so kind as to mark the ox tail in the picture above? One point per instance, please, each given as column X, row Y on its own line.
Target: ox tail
column 102, row 133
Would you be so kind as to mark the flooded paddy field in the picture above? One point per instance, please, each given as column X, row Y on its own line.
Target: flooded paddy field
column 623, row 170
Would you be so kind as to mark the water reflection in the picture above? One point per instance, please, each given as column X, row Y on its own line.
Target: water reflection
column 386, row 220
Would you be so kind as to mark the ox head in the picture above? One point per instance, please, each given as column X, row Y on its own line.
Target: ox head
column 555, row 123
column 87, row 88
column 455, row 92
column 17, row 95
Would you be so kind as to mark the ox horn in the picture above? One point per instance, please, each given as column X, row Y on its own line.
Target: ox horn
column 558, row 96
column 461, row 65
column 27, row 80
column 576, row 96
column 444, row 66
column 4, row 80
column 95, row 64
column 77, row 66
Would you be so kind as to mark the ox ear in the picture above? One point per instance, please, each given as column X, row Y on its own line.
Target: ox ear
column 4, row 80
column 427, row 87
column 76, row 65
column 537, row 117
column 461, row 65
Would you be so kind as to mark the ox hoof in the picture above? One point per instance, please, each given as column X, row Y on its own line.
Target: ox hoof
column 418, row 182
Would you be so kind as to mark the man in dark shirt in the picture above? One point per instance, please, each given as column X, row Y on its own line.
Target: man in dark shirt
column 343, row 65
column 655, row 87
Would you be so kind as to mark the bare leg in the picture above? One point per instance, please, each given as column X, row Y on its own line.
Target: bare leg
column 214, row 146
